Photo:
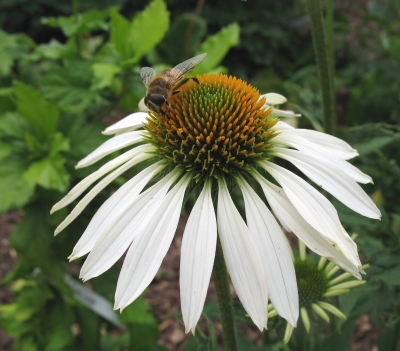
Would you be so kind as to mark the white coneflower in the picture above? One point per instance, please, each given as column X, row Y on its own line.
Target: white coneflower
column 216, row 135
column 317, row 282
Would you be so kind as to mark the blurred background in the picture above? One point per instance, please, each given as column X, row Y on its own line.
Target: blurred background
column 67, row 70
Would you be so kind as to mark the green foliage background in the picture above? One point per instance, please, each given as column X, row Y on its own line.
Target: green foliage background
column 63, row 75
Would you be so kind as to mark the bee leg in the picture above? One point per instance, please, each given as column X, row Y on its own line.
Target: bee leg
column 184, row 81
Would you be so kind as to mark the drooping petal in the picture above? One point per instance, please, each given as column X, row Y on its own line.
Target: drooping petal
column 115, row 240
column 274, row 99
column 284, row 113
column 149, row 248
column 197, row 258
column 108, row 213
column 315, row 209
column 131, row 122
column 116, row 143
column 242, row 258
column 294, row 222
column 306, row 146
column 275, row 255
column 332, row 179
column 99, row 187
column 89, row 180
column 325, row 141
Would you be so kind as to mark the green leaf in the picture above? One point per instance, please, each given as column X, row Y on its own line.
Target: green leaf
column 103, row 75
column 12, row 46
column 134, row 40
column 148, row 28
column 15, row 191
column 49, row 173
column 69, row 86
column 89, row 21
column 120, row 27
column 217, row 46
column 33, row 106
column 12, row 125
column 53, row 50
column 137, row 311
column 374, row 144
column 6, row 99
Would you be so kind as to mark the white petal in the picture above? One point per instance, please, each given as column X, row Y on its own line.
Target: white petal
column 275, row 255
column 328, row 142
column 197, row 258
column 282, row 126
column 292, row 140
column 295, row 223
column 142, row 106
column 89, row 180
column 149, row 248
column 120, row 232
column 284, row 113
column 107, row 215
column 274, row 99
column 242, row 258
column 332, row 179
column 99, row 187
column 131, row 122
column 315, row 209
column 116, row 143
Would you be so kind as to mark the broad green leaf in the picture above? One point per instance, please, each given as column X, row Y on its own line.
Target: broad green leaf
column 133, row 40
column 33, row 106
column 6, row 99
column 120, row 27
column 103, row 75
column 60, row 319
column 53, row 50
column 148, row 28
column 49, row 173
column 374, row 144
column 69, row 86
column 5, row 150
column 83, row 23
column 13, row 125
column 15, row 192
column 6, row 62
column 137, row 311
column 217, row 46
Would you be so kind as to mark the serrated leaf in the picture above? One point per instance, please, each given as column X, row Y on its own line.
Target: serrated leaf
column 217, row 46
column 49, row 173
column 137, row 311
column 134, row 40
column 15, row 192
column 33, row 106
column 103, row 75
column 69, row 86
column 53, row 50
column 120, row 27
column 374, row 144
column 81, row 24
column 148, row 28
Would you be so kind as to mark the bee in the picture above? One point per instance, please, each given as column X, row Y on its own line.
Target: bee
column 165, row 84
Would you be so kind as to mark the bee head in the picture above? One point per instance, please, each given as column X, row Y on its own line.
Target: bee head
column 154, row 102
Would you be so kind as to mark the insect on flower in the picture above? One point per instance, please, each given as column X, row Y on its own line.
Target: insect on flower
column 165, row 84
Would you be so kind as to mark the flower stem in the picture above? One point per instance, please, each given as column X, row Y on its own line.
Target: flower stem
column 222, row 287
column 324, row 63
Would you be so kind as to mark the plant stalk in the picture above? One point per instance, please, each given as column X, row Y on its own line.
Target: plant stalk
column 222, row 287
column 324, row 63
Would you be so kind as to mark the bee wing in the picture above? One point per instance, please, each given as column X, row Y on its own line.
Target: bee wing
column 147, row 74
column 180, row 70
